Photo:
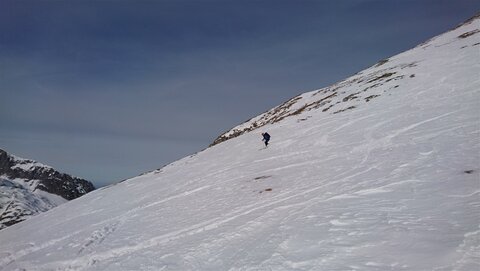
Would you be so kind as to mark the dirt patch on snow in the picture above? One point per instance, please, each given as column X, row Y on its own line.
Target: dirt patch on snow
column 469, row 33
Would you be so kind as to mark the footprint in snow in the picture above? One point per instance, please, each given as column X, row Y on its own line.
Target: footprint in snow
column 98, row 236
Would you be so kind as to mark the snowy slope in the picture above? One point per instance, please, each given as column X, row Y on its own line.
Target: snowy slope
column 382, row 79
column 28, row 188
column 391, row 183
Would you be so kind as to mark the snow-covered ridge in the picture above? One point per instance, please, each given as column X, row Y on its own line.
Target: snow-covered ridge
column 26, row 164
column 358, row 90
column 391, row 184
column 28, row 188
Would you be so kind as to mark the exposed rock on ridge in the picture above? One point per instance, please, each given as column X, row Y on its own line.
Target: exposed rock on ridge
column 28, row 188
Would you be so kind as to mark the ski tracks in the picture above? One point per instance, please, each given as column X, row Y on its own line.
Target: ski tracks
column 12, row 257
column 107, row 227
column 97, row 237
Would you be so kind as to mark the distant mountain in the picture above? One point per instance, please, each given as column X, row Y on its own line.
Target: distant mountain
column 377, row 172
column 28, row 188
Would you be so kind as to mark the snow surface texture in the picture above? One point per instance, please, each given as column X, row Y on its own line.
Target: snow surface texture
column 389, row 184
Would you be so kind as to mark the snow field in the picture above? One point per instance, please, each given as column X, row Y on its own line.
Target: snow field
column 392, row 184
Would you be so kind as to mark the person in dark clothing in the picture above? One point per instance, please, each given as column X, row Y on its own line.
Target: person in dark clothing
column 266, row 138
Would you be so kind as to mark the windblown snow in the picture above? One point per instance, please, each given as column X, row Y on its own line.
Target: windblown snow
column 377, row 172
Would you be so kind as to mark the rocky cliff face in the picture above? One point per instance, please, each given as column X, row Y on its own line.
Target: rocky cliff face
column 28, row 188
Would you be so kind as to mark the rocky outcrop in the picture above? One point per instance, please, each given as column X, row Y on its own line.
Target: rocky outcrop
column 28, row 188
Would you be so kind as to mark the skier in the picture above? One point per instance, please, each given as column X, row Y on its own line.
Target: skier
column 266, row 138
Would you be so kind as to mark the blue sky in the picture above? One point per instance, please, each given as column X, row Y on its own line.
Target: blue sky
column 106, row 90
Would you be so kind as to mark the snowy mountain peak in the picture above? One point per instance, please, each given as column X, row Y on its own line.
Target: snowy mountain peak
column 377, row 172
column 25, row 164
column 28, row 187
